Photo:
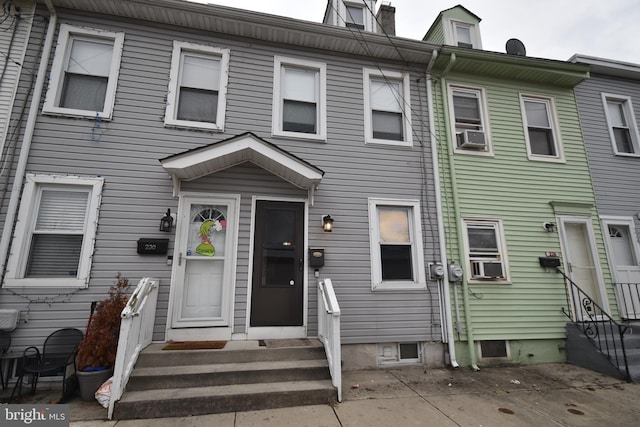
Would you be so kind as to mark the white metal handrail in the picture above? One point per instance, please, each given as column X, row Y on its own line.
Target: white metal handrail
column 329, row 331
column 136, row 330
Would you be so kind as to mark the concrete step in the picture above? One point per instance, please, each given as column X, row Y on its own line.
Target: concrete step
column 154, row 356
column 179, row 402
column 163, row 377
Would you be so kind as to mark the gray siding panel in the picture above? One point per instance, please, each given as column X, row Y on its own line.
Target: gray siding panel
column 137, row 191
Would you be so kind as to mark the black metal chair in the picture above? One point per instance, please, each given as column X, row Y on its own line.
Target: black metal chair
column 5, row 343
column 58, row 355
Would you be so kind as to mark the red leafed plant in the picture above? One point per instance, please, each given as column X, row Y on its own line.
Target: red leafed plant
column 100, row 343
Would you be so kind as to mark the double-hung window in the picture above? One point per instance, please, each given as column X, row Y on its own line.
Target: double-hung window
column 299, row 99
column 387, row 107
column 469, row 119
column 621, row 121
column 463, row 34
column 197, row 86
column 397, row 259
column 541, row 134
column 354, row 16
column 84, row 73
column 486, row 250
column 54, row 238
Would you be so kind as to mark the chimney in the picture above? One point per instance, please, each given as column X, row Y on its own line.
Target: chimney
column 386, row 18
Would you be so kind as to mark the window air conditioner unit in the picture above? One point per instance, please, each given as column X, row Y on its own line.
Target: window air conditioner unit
column 473, row 139
column 486, row 270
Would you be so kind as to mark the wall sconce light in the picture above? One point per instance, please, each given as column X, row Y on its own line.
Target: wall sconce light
column 166, row 223
column 550, row 227
column 327, row 223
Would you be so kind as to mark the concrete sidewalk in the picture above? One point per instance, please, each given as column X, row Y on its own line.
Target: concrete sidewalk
column 540, row 395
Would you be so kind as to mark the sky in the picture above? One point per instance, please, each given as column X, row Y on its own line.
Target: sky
column 553, row 29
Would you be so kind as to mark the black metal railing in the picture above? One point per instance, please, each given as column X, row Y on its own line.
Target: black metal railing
column 596, row 324
column 629, row 300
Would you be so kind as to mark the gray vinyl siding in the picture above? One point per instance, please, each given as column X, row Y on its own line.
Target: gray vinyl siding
column 137, row 191
column 615, row 178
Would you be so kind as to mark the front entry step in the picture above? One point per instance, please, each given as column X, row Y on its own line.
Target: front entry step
column 176, row 383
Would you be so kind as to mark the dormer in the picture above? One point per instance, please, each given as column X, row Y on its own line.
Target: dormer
column 354, row 14
column 456, row 27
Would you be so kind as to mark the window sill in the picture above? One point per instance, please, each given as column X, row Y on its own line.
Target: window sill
column 471, row 152
column 185, row 124
column 300, row 135
column 70, row 112
column 546, row 159
column 489, row 282
column 389, row 142
column 53, row 283
column 627, row 155
column 398, row 286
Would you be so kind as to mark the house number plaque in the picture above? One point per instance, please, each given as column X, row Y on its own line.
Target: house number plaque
column 153, row 246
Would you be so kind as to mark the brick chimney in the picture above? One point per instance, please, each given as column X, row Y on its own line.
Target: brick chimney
column 386, row 18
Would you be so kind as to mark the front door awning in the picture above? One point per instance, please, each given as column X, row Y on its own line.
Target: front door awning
column 246, row 147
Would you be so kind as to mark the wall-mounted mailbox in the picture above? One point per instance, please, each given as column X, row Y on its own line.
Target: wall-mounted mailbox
column 316, row 258
column 549, row 261
column 153, row 246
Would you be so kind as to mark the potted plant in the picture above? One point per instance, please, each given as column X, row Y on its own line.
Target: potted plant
column 97, row 351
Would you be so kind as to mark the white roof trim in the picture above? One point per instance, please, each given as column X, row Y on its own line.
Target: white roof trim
column 215, row 157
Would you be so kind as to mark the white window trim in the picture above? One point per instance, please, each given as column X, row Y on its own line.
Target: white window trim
column 502, row 250
column 16, row 265
column 450, row 34
column 321, row 68
column 368, row 19
column 63, row 50
column 555, row 128
column 484, row 115
column 631, row 118
column 174, row 78
column 417, row 252
column 406, row 107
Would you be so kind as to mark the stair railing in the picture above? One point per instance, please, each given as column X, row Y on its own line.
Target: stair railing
column 329, row 331
column 136, row 330
column 596, row 324
column 629, row 300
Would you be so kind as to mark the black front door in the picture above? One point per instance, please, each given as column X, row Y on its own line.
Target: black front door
column 278, row 264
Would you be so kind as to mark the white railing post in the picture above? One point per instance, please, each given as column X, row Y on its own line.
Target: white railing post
column 136, row 331
column 329, row 331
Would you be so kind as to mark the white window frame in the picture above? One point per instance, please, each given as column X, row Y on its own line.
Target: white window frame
column 281, row 62
column 554, row 127
column 484, row 119
column 497, row 225
column 343, row 17
column 60, row 60
column 407, row 130
column 170, row 118
column 417, row 253
column 451, row 34
column 16, row 265
column 629, row 116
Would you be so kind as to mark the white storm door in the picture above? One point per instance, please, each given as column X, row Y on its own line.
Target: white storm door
column 623, row 256
column 582, row 264
column 205, row 257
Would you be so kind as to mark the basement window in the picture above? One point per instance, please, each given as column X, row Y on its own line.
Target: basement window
column 494, row 349
column 399, row 353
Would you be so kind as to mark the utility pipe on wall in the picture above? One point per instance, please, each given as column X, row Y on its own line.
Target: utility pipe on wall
column 21, row 167
column 441, row 235
column 457, row 215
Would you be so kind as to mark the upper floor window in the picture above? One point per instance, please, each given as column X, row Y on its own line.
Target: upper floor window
column 621, row 121
column 541, row 130
column 354, row 16
column 84, row 73
column 462, row 34
column 197, row 86
column 485, row 250
column 469, row 120
column 54, row 239
column 397, row 260
column 299, row 99
column 387, row 107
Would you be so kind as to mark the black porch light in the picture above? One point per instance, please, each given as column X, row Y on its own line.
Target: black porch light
column 166, row 223
column 327, row 223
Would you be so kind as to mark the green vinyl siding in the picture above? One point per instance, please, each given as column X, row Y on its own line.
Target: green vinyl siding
column 519, row 191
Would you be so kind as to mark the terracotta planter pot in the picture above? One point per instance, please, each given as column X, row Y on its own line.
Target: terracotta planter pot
column 89, row 382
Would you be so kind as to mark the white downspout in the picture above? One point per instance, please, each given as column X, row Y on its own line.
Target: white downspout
column 446, row 294
column 21, row 167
